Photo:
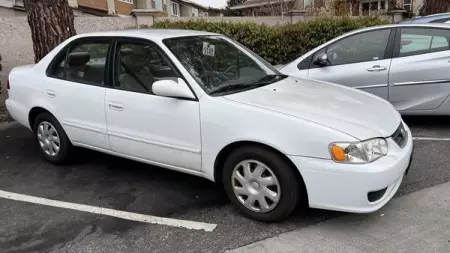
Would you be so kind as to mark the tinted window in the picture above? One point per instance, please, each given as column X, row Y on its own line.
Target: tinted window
column 442, row 20
column 304, row 64
column 139, row 65
column 368, row 46
column 416, row 41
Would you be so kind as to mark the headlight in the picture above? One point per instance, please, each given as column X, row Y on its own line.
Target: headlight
column 359, row 152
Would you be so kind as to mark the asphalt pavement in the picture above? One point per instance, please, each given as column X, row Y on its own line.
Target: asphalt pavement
column 104, row 181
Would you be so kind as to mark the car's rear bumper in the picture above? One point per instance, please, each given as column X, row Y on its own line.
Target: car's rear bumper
column 348, row 187
column 17, row 112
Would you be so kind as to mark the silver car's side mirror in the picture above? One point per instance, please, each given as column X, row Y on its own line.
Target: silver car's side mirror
column 321, row 60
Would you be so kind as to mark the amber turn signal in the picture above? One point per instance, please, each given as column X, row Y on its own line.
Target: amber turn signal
column 338, row 153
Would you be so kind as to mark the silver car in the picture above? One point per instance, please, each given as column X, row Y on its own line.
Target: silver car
column 406, row 64
column 435, row 18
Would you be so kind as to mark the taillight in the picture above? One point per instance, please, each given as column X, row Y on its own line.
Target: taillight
column 7, row 85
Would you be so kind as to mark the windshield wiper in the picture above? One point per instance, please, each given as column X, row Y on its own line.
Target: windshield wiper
column 269, row 79
column 230, row 88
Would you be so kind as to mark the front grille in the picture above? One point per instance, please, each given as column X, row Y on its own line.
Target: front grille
column 400, row 136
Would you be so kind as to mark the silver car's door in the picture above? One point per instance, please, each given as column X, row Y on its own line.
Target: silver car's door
column 360, row 61
column 419, row 78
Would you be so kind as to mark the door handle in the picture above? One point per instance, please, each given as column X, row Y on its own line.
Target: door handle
column 376, row 68
column 51, row 93
column 115, row 106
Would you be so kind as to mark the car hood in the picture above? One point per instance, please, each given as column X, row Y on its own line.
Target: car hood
column 356, row 113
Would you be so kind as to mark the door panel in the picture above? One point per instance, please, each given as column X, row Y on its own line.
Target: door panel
column 360, row 61
column 420, row 78
column 82, row 112
column 370, row 76
column 140, row 124
column 159, row 129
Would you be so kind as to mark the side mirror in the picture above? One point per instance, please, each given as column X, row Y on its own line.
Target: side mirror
column 172, row 89
column 321, row 60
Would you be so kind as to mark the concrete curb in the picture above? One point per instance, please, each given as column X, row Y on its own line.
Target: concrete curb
column 4, row 126
column 417, row 222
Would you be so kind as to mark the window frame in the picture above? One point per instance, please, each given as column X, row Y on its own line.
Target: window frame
column 398, row 39
column 388, row 54
column 178, row 9
column 70, row 46
column 117, row 41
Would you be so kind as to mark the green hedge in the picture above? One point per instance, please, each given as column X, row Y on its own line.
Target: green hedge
column 279, row 44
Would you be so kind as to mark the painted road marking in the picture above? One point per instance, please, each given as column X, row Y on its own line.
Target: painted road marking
column 430, row 139
column 110, row 212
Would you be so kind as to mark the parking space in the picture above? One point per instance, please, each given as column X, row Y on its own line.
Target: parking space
column 98, row 180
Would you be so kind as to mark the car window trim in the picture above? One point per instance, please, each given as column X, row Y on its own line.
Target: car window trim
column 312, row 66
column 113, row 67
column 399, row 34
column 69, row 47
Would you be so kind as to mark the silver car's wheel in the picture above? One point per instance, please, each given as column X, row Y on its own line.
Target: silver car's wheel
column 256, row 186
column 48, row 138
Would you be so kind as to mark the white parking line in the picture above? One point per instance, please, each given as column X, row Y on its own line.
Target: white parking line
column 430, row 139
column 110, row 212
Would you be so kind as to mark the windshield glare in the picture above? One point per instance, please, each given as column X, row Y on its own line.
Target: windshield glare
column 216, row 61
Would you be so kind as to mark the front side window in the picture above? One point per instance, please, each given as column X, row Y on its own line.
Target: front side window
column 84, row 62
column 139, row 65
column 363, row 47
column 416, row 41
column 220, row 65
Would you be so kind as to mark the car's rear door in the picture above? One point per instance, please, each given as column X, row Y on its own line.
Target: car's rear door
column 76, row 89
column 419, row 78
column 360, row 60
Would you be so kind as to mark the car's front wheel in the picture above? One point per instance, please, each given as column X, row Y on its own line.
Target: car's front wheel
column 51, row 139
column 261, row 183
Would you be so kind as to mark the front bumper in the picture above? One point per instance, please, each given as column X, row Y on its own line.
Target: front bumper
column 356, row 188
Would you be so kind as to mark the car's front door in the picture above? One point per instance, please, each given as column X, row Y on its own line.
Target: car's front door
column 160, row 130
column 360, row 61
column 420, row 74
column 76, row 88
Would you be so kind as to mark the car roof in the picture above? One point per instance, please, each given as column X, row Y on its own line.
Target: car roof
column 150, row 33
column 429, row 25
column 428, row 18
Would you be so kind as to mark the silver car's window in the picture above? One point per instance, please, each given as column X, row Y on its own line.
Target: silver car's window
column 368, row 46
column 416, row 41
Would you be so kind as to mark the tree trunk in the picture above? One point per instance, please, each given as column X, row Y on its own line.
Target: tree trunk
column 434, row 6
column 51, row 22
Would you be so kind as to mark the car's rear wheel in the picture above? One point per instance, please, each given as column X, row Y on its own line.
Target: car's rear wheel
column 52, row 141
column 261, row 183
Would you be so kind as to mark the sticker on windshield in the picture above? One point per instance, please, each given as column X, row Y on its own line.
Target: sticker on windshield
column 209, row 49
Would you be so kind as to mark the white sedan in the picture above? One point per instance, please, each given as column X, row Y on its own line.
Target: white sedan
column 201, row 103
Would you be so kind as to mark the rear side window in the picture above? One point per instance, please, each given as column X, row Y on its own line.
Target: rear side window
column 417, row 41
column 83, row 62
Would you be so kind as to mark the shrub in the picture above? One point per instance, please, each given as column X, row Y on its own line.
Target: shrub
column 282, row 43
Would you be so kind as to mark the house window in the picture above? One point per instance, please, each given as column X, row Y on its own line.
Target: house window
column 407, row 5
column 175, row 9
column 153, row 4
column 382, row 5
column 126, row 1
column 164, row 5
column 308, row 4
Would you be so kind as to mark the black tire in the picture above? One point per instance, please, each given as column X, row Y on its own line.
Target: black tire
column 292, row 191
column 66, row 147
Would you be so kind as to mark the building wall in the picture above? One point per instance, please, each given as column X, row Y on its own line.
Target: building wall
column 94, row 4
column 17, row 47
column 9, row 12
column 124, row 8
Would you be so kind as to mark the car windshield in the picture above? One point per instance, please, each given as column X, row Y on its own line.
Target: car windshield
column 221, row 65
